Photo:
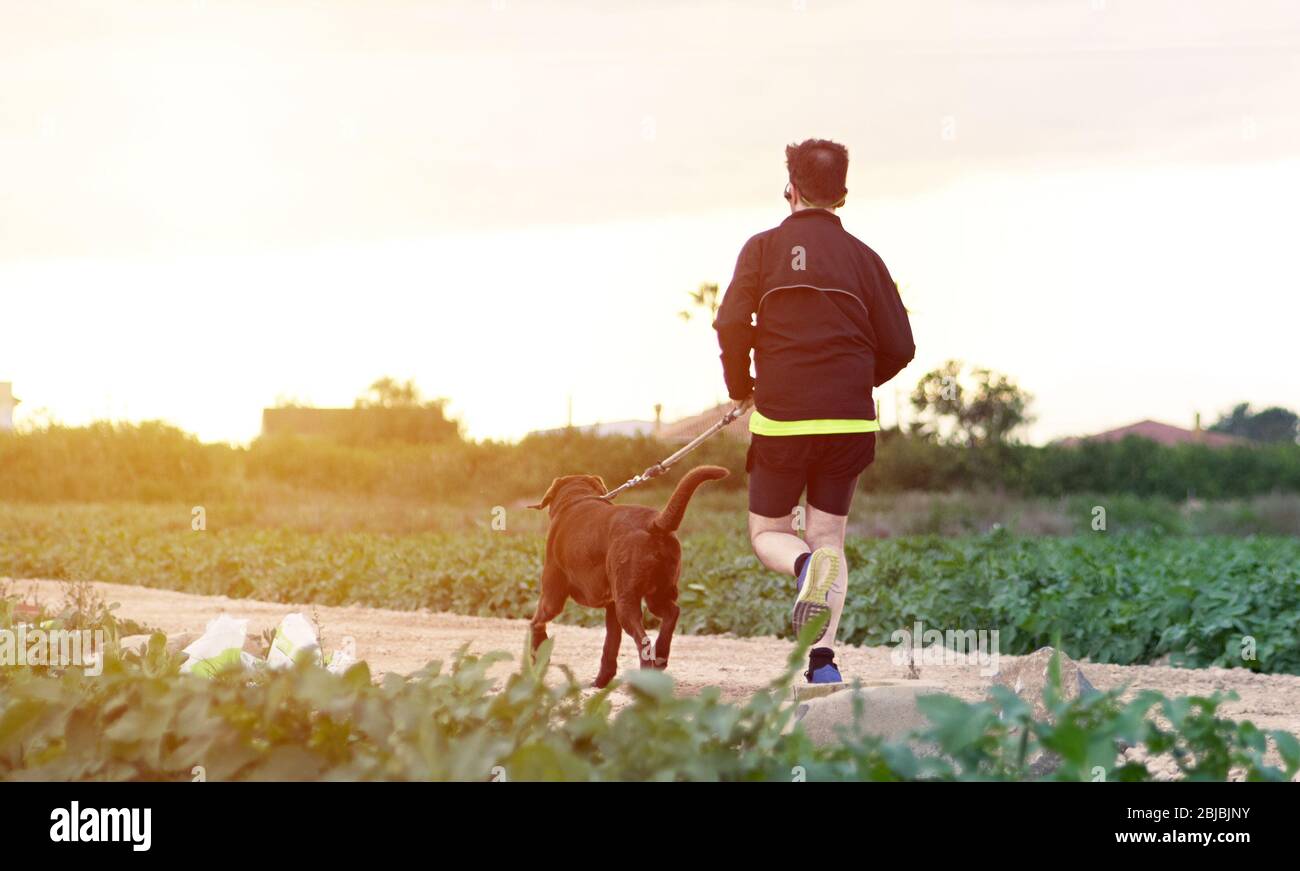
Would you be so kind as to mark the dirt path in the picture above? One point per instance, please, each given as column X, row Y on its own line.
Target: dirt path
column 403, row 641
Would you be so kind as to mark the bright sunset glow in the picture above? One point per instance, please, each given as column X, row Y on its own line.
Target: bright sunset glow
column 209, row 206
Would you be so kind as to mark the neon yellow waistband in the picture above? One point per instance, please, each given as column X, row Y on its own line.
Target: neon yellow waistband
column 828, row 426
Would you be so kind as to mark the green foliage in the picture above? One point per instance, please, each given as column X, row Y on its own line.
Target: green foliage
column 1144, row 468
column 985, row 410
column 706, row 297
column 1133, row 466
column 141, row 720
column 1278, row 425
column 388, row 392
column 144, row 462
column 1112, row 597
column 153, row 462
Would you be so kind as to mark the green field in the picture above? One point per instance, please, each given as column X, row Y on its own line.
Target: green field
column 1116, row 596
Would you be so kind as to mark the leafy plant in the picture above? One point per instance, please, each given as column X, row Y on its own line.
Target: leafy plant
column 140, row 720
column 1112, row 597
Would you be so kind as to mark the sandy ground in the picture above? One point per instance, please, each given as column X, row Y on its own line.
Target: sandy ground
column 403, row 641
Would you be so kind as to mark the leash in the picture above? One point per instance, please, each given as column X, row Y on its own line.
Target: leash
column 662, row 466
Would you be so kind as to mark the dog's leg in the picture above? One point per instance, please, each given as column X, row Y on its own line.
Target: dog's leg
column 666, row 609
column 555, row 591
column 609, row 656
column 629, row 615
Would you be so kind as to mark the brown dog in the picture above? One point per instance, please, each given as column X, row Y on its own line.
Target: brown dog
column 613, row 556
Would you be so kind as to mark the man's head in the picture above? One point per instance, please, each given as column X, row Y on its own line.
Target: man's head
column 818, row 169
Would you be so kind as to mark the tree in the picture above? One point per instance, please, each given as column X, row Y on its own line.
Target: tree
column 392, row 410
column 1273, row 424
column 705, row 297
column 388, row 392
column 978, row 407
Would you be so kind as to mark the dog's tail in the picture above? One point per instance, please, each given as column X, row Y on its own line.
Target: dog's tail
column 671, row 515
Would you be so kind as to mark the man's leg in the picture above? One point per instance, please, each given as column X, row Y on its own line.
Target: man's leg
column 831, row 487
column 775, row 486
column 774, row 492
column 827, row 530
column 775, row 543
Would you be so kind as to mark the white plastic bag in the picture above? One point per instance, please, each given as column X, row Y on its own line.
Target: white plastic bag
column 219, row 647
column 294, row 635
column 340, row 661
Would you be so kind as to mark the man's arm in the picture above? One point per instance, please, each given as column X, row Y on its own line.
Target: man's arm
column 735, row 322
column 894, row 345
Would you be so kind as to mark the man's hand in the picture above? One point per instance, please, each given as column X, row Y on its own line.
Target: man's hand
column 739, row 408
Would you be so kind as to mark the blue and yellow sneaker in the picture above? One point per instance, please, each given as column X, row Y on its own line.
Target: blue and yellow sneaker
column 821, row 666
column 814, row 586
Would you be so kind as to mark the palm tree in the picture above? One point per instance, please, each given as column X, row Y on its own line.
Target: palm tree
column 705, row 297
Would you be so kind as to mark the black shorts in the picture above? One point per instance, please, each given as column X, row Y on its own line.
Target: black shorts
column 780, row 467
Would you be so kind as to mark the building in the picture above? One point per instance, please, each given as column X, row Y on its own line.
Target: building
column 1161, row 433
column 677, row 432
column 612, row 428
column 425, row 424
column 8, row 402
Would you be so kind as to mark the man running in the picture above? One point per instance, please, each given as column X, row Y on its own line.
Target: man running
column 826, row 325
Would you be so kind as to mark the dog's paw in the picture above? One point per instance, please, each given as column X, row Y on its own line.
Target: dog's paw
column 661, row 662
column 602, row 680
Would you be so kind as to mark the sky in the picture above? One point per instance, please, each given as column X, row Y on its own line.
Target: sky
column 209, row 207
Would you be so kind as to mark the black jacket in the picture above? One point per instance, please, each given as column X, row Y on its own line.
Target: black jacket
column 830, row 324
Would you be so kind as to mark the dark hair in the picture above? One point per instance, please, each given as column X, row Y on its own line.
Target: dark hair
column 818, row 168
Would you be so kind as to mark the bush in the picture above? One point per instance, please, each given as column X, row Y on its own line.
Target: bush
column 146, row 462
column 140, row 720
column 155, row 462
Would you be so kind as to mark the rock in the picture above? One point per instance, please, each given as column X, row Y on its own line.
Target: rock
column 805, row 691
column 1028, row 676
column 1085, row 686
column 889, row 711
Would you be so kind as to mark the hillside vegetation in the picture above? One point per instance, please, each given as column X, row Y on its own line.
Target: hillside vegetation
column 153, row 462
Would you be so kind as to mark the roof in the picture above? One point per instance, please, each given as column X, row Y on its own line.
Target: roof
column 613, row 427
column 689, row 427
column 1161, row 433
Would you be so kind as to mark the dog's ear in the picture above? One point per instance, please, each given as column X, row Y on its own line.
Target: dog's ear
column 550, row 494
column 599, row 482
